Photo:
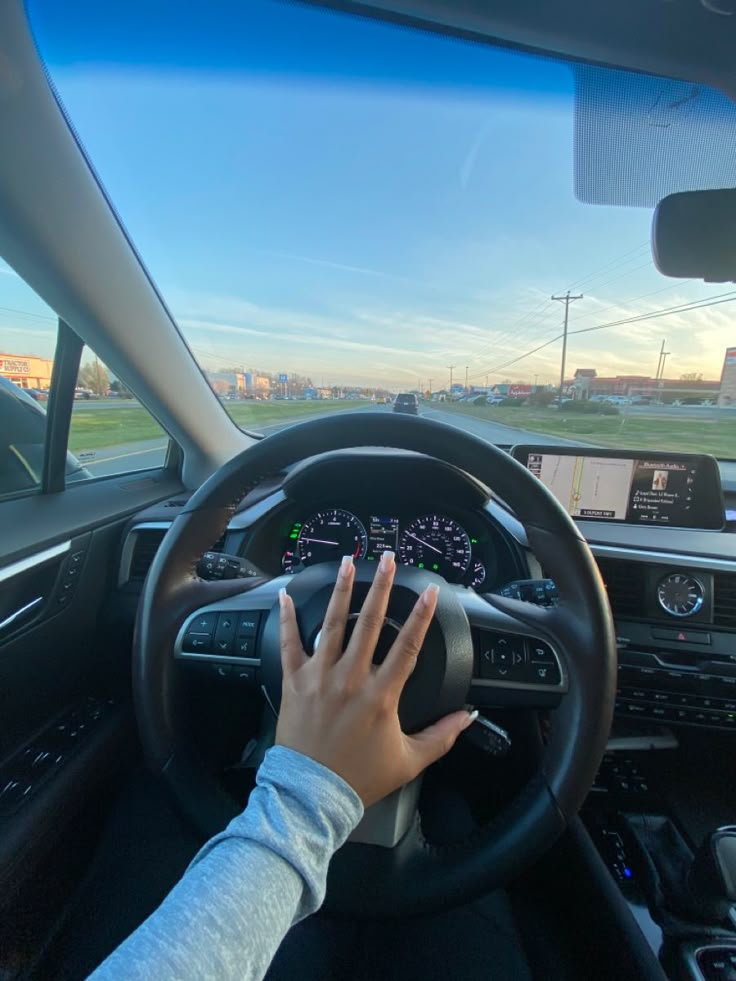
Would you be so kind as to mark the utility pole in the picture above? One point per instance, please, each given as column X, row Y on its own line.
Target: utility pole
column 486, row 383
column 659, row 377
column 430, row 388
column 452, row 368
column 466, row 379
column 567, row 300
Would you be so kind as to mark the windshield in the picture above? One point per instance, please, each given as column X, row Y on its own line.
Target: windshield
column 337, row 211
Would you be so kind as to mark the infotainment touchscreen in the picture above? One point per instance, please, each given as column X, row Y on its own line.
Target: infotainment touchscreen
column 681, row 490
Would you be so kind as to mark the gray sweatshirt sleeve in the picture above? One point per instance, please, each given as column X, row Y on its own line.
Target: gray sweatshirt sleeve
column 229, row 912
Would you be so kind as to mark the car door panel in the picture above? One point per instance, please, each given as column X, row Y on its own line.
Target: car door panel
column 66, row 723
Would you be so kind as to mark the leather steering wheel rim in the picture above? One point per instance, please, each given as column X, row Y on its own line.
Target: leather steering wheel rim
column 415, row 876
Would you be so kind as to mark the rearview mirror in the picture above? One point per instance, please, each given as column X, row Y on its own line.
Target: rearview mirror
column 694, row 235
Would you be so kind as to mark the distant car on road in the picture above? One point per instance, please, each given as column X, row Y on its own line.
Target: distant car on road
column 406, row 402
column 495, row 399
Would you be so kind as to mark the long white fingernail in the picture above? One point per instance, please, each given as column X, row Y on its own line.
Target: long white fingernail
column 387, row 560
column 472, row 716
column 430, row 594
column 282, row 597
column 346, row 565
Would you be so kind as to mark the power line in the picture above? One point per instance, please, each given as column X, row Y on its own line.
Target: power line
column 542, row 310
column 708, row 301
column 25, row 313
column 608, row 266
column 630, row 299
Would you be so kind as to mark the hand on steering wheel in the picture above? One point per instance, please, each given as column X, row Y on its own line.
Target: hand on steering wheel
column 340, row 709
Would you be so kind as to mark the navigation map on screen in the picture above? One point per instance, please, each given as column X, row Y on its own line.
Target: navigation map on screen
column 655, row 491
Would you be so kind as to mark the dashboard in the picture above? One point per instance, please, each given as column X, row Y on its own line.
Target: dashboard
column 432, row 540
column 672, row 589
column 430, row 516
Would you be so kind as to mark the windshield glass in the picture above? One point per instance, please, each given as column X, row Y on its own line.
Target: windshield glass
column 338, row 211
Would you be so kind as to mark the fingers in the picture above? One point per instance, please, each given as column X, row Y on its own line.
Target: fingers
column 404, row 652
column 359, row 653
column 432, row 743
column 332, row 635
column 292, row 652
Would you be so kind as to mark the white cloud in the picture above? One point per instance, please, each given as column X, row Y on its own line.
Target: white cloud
column 401, row 344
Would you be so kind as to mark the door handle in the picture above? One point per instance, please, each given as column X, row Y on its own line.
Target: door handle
column 19, row 614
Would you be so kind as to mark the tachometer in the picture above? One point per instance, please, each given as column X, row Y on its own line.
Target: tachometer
column 437, row 543
column 328, row 535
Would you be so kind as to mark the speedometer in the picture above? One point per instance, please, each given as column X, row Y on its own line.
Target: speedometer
column 328, row 535
column 437, row 543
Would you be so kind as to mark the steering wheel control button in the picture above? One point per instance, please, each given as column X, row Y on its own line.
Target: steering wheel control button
column 197, row 643
column 543, row 668
column 203, row 623
column 503, row 657
column 245, row 647
column 245, row 674
column 544, row 674
column 225, row 634
column 248, row 624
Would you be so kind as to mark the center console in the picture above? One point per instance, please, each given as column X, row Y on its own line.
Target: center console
column 654, row 815
column 662, row 812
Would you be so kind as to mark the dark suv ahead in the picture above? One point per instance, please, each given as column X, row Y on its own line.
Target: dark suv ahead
column 406, row 403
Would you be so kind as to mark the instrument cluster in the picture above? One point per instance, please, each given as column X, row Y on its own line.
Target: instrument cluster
column 428, row 541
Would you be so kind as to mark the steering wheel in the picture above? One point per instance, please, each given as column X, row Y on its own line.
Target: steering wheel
column 482, row 649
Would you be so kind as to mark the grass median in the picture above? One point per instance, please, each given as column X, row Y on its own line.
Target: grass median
column 96, row 425
column 712, row 432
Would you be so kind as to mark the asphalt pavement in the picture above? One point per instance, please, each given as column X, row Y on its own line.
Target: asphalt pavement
column 125, row 457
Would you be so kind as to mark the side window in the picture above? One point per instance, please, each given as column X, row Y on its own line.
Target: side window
column 27, row 343
column 110, row 431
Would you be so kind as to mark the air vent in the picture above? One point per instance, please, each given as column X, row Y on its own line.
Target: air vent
column 140, row 549
column 625, row 584
column 146, row 544
column 724, row 599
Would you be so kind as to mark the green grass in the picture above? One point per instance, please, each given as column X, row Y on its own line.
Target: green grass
column 96, row 426
column 251, row 415
column 710, row 432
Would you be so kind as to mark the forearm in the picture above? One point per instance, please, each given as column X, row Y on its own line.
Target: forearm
column 227, row 916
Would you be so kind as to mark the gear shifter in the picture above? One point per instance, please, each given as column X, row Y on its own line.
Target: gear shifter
column 712, row 876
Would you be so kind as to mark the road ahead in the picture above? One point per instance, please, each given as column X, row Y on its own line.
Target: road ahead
column 152, row 453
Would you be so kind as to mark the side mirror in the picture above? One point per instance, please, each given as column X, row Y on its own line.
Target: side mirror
column 694, row 235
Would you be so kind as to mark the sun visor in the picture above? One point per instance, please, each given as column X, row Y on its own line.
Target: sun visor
column 639, row 138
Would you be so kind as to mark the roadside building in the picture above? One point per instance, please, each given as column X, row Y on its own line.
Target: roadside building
column 26, row 370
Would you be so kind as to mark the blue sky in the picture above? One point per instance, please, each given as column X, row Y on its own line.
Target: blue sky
column 354, row 201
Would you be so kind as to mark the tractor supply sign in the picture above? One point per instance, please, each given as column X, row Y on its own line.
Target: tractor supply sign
column 727, row 395
column 15, row 366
